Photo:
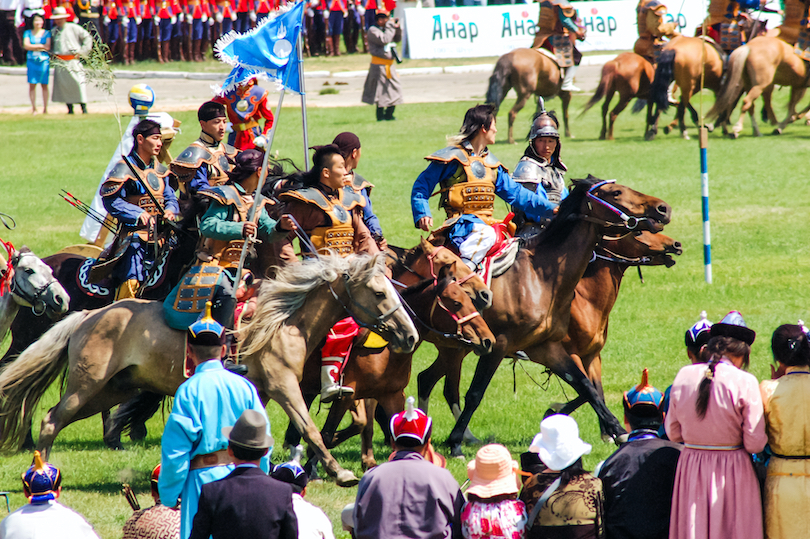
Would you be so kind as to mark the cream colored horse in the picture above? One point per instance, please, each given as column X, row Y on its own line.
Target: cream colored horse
column 112, row 353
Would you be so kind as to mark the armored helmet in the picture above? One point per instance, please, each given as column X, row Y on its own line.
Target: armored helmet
column 544, row 124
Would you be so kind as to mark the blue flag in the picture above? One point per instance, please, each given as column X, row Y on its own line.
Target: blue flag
column 269, row 48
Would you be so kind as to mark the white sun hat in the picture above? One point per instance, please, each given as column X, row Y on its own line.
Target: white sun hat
column 558, row 443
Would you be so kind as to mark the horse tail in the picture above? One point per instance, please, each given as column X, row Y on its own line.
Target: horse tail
column 605, row 83
column 639, row 105
column 136, row 411
column 25, row 380
column 664, row 75
column 732, row 87
column 497, row 81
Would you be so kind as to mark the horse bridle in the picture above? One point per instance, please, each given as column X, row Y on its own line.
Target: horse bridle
column 626, row 221
column 38, row 305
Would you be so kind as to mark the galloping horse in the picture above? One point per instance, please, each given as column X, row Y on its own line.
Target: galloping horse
column 112, row 353
column 594, row 298
column 629, row 74
column 682, row 60
column 529, row 72
column 756, row 68
column 532, row 299
column 26, row 281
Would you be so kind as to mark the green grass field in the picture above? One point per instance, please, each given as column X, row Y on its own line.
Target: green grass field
column 760, row 251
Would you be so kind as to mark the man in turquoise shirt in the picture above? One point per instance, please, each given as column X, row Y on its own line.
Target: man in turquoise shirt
column 193, row 448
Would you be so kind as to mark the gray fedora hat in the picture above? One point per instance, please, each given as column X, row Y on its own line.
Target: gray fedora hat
column 250, row 431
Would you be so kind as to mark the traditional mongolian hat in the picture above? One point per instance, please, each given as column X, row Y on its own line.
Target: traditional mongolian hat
column 412, row 423
column 643, row 400
column 41, row 480
column 734, row 326
column 698, row 335
column 558, row 442
column 291, row 472
column 493, row 472
column 206, row 331
column 59, row 13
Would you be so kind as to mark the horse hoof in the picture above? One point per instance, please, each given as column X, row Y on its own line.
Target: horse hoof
column 368, row 464
column 666, row 130
column 685, row 136
column 777, row 131
column 607, row 438
column 456, row 452
column 710, row 128
column 345, row 478
column 115, row 445
column 621, row 439
column 137, row 433
column 554, row 408
column 649, row 135
column 470, row 438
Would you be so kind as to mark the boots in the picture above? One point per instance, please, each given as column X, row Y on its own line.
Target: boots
column 195, row 50
column 380, row 114
column 568, row 80
column 330, row 380
column 389, row 114
column 336, row 45
column 164, row 47
column 328, row 46
column 132, row 48
column 84, row 111
column 127, row 289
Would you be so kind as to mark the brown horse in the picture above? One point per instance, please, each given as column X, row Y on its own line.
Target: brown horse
column 594, row 298
column 630, row 75
column 756, row 68
column 112, row 353
column 682, row 60
column 532, row 299
column 529, row 72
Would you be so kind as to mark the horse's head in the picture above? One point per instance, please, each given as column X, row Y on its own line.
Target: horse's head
column 457, row 315
column 643, row 248
column 619, row 206
column 375, row 304
column 33, row 285
column 440, row 259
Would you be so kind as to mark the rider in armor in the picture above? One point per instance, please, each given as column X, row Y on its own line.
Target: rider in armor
column 207, row 161
column 652, row 28
column 725, row 21
column 541, row 167
column 794, row 22
column 557, row 31
column 470, row 178
column 331, row 213
column 246, row 106
column 137, row 194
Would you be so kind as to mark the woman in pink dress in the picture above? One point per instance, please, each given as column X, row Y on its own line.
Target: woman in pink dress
column 716, row 410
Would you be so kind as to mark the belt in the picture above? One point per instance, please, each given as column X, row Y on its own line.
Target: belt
column 66, row 57
column 713, row 447
column 247, row 125
column 88, row 15
column 377, row 61
column 791, row 457
column 211, row 460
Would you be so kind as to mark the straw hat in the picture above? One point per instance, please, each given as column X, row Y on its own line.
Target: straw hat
column 493, row 472
column 59, row 13
column 558, row 442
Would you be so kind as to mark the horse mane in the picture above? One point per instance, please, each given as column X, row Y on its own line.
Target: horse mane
column 564, row 221
column 281, row 297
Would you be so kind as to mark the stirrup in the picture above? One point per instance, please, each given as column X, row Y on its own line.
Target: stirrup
column 334, row 392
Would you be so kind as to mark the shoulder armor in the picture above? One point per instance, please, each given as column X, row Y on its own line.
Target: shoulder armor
column 352, row 199
column 162, row 170
column 192, row 157
column 528, row 170
column 116, row 179
column 230, row 151
column 492, row 162
column 450, row 153
column 226, row 195
column 359, row 183
column 309, row 195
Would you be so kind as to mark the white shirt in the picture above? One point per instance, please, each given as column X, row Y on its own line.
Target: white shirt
column 45, row 521
column 312, row 521
column 9, row 5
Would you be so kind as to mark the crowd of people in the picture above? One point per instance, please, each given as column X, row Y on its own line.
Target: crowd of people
column 716, row 455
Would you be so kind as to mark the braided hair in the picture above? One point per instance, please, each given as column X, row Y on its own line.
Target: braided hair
column 712, row 354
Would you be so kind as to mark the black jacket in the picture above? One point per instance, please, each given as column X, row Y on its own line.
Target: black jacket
column 247, row 503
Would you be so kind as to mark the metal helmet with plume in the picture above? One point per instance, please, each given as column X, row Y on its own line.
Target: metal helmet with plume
column 544, row 125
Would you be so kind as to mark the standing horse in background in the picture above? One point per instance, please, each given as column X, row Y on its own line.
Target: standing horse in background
column 682, row 60
column 112, row 353
column 629, row 74
column 756, row 68
column 529, row 72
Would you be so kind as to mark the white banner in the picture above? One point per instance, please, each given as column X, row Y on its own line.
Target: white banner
column 465, row 32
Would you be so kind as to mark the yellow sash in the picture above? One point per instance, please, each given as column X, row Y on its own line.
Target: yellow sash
column 377, row 61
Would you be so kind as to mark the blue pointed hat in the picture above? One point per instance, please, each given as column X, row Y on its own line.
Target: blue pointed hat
column 41, row 480
column 698, row 335
column 206, row 331
column 643, row 395
column 292, row 472
column 733, row 325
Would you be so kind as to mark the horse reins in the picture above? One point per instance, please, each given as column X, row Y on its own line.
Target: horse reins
column 628, row 221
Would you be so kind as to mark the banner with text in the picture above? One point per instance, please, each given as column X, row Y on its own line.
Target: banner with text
column 459, row 32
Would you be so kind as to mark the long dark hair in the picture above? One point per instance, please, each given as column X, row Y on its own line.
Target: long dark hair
column 321, row 159
column 477, row 117
column 715, row 349
column 790, row 345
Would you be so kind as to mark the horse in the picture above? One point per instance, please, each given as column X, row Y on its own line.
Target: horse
column 756, row 68
column 30, row 283
column 112, row 353
column 594, row 298
column 682, row 60
column 629, row 74
column 529, row 72
column 532, row 299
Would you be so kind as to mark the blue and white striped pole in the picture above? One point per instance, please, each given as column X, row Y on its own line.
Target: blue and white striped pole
column 704, row 189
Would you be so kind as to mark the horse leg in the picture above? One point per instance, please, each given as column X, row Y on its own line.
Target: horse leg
column 292, row 437
column 565, row 97
column 452, row 392
column 605, row 109
column 287, row 393
column 652, row 121
column 681, row 119
column 368, row 408
column 519, row 104
column 796, row 95
column 754, row 125
column 336, row 412
column 427, row 380
column 484, row 371
column 620, row 106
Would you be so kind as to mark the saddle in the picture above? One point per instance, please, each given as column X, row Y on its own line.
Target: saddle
column 551, row 56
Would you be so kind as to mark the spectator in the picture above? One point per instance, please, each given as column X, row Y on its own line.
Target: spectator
column 338, row 11
column 44, row 517
column 247, row 503
column 570, row 507
column 70, row 41
column 10, row 48
column 492, row 510
column 194, row 446
column 312, row 521
column 637, row 479
column 716, row 409
column 156, row 522
column 37, row 41
column 786, row 399
column 408, row 497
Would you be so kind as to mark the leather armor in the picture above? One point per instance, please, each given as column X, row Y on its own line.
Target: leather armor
column 196, row 155
column 339, row 234
column 154, row 179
